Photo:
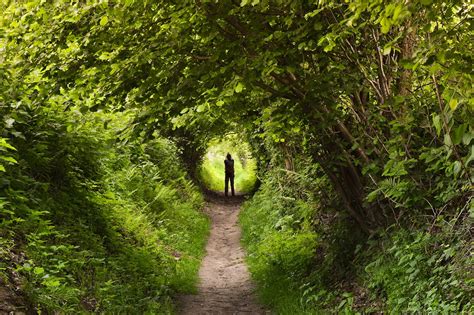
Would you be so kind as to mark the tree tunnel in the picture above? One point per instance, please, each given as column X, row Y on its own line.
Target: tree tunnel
column 192, row 71
column 348, row 120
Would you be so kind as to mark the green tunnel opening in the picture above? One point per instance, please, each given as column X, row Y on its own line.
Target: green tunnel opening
column 212, row 171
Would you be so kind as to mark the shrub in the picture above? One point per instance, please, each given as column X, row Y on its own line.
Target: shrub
column 100, row 225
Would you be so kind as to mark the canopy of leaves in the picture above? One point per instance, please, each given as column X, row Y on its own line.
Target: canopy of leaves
column 376, row 94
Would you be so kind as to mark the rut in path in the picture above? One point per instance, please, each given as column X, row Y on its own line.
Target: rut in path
column 225, row 286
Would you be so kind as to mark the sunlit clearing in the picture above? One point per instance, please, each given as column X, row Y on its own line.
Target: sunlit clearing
column 212, row 170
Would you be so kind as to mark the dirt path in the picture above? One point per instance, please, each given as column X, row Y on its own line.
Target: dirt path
column 225, row 286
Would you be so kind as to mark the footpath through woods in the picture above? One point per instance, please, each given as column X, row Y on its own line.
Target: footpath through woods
column 225, row 286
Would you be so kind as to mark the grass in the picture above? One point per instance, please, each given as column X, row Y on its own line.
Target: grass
column 278, row 254
column 282, row 296
column 212, row 169
column 120, row 231
column 188, row 237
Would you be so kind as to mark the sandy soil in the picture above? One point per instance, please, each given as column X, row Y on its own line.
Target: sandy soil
column 225, row 286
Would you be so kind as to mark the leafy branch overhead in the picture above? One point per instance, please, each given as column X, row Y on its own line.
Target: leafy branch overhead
column 358, row 113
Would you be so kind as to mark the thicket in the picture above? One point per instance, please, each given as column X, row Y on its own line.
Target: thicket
column 308, row 258
column 369, row 209
column 92, row 218
column 90, row 222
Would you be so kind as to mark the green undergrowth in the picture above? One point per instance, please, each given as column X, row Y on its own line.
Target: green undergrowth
column 421, row 270
column 280, row 246
column 306, row 260
column 93, row 224
column 212, row 172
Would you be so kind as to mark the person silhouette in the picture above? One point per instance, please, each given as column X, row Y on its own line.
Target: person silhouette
column 229, row 174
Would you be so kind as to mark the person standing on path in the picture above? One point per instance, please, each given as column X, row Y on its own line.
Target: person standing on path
column 229, row 174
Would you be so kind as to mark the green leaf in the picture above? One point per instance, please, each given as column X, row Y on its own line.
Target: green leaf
column 201, row 108
column 394, row 168
column 105, row 56
column 447, row 140
column 437, row 124
column 9, row 122
column 4, row 144
column 471, row 156
column 176, row 122
column 396, row 12
column 52, row 283
column 372, row 196
column 456, row 167
column 385, row 23
column 239, row 87
column 8, row 159
column 329, row 41
column 38, row 270
column 104, row 20
column 453, row 104
column 458, row 134
column 467, row 137
column 220, row 103
column 2, row 168
column 386, row 50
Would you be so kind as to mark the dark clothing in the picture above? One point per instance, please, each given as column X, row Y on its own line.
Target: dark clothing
column 229, row 176
column 229, row 166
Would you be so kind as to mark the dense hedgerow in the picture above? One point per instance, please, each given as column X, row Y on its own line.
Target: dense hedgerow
column 308, row 259
column 90, row 223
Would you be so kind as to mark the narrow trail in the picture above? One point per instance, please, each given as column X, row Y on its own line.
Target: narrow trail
column 225, row 286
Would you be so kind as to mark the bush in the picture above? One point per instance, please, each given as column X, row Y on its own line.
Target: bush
column 99, row 225
column 421, row 271
column 308, row 259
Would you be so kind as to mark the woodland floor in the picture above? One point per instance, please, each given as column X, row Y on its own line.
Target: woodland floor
column 225, row 286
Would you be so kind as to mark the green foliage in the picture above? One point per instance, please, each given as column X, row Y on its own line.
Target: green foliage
column 359, row 115
column 283, row 243
column 421, row 271
column 103, row 226
column 306, row 260
column 212, row 169
column 279, row 250
column 4, row 147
